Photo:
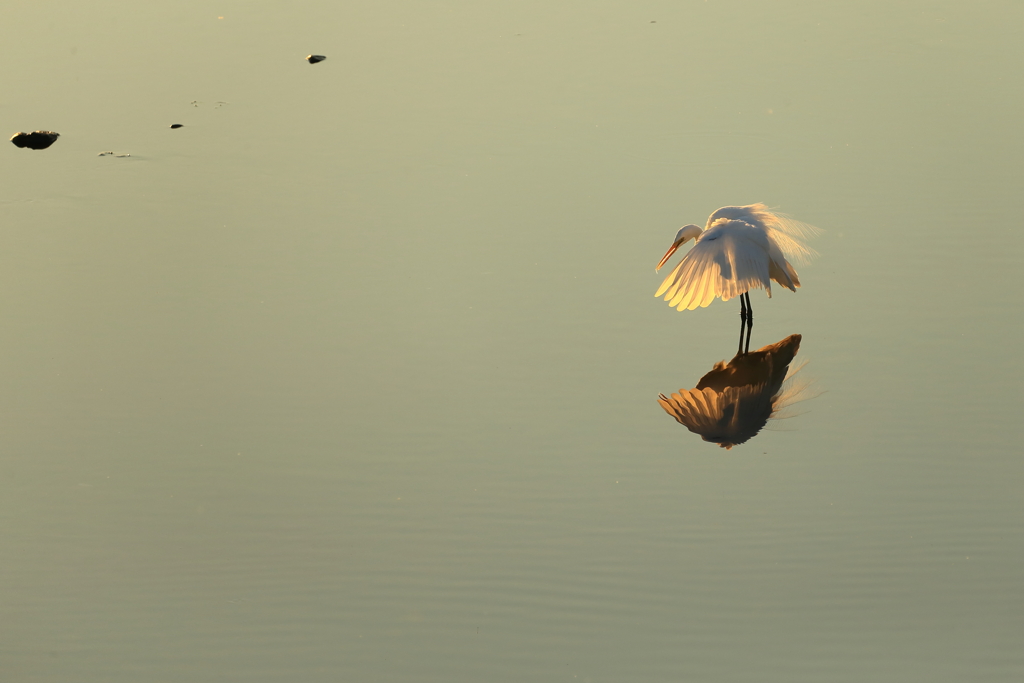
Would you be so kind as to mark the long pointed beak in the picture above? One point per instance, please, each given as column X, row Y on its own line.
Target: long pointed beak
column 668, row 254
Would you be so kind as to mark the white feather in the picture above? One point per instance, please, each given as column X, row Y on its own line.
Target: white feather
column 741, row 248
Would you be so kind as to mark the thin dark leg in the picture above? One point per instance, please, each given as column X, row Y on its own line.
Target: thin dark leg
column 750, row 320
column 743, row 325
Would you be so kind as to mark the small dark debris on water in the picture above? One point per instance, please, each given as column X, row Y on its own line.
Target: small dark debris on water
column 313, row 59
column 40, row 139
column 177, row 125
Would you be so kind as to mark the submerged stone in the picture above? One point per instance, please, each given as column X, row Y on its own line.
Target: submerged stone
column 40, row 139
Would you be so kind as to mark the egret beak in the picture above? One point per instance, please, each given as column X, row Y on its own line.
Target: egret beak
column 668, row 254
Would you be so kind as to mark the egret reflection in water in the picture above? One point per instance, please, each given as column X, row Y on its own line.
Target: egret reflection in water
column 734, row 401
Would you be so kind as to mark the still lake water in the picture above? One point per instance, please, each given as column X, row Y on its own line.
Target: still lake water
column 355, row 376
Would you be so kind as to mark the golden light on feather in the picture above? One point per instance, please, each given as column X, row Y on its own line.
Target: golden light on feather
column 740, row 248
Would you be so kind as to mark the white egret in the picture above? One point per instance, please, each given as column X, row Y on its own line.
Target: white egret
column 741, row 248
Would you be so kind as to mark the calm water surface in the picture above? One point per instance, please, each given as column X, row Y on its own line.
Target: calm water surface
column 355, row 376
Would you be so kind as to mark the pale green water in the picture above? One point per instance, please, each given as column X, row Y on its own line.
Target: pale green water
column 354, row 377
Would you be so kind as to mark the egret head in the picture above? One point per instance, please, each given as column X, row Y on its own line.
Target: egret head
column 685, row 234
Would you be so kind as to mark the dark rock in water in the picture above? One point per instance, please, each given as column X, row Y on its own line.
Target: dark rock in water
column 177, row 125
column 40, row 139
column 313, row 59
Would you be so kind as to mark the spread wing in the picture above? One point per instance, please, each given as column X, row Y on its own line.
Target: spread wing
column 726, row 417
column 729, row 259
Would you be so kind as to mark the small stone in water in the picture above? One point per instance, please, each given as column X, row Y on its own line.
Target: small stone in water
column 313, row 59
column 177, row 125
column 40, row 139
